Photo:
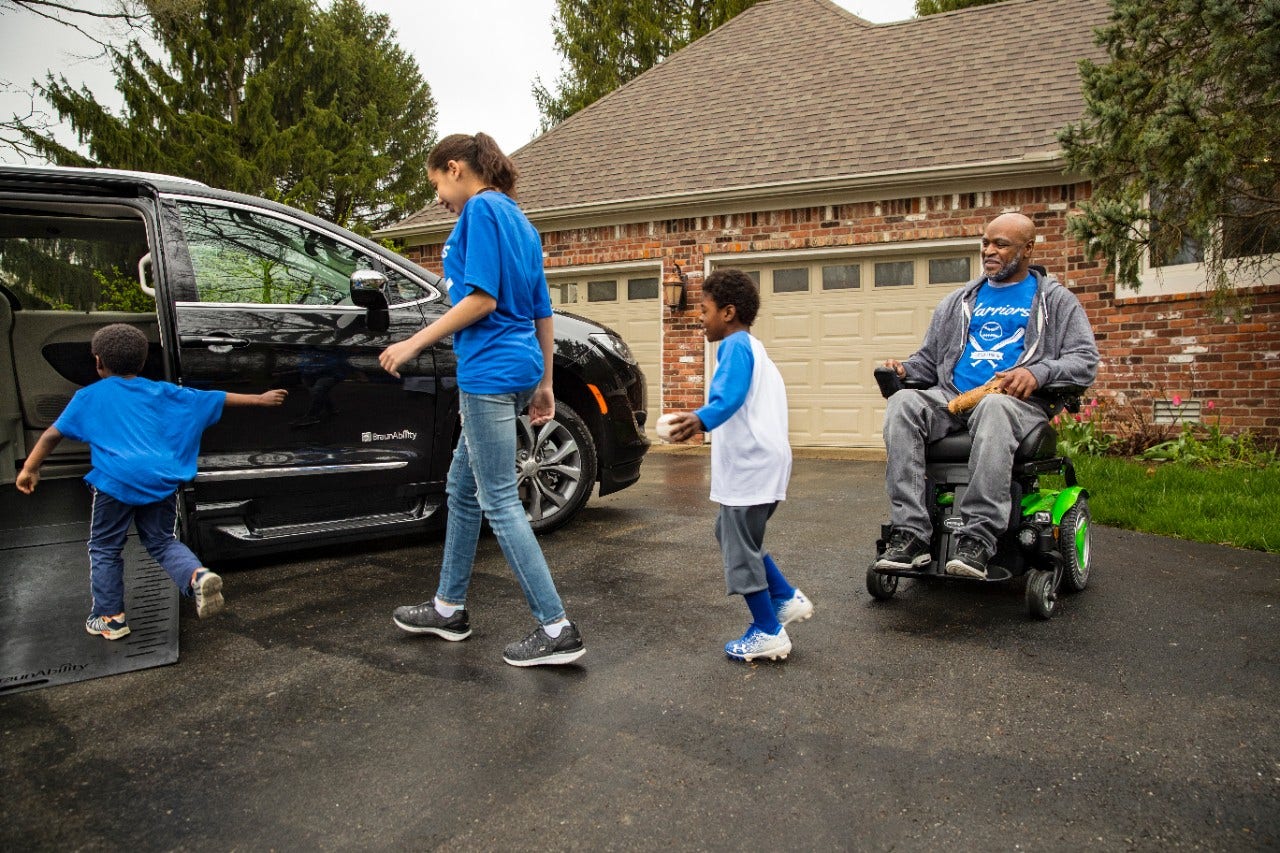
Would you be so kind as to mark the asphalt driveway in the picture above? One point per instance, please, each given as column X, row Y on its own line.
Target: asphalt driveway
column 1143, row 716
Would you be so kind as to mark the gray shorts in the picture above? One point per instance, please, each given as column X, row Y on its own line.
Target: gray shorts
column 740, row 532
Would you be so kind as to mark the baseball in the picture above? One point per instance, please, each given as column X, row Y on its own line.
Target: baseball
column 663, row 426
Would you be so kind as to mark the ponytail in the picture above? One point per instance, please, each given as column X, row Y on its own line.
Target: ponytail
column 482, row 154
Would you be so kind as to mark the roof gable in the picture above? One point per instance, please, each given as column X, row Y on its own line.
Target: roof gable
column 797, row 90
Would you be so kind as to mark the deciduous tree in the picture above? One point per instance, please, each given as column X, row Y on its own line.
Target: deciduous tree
column 606, row 43
column 1181, row 139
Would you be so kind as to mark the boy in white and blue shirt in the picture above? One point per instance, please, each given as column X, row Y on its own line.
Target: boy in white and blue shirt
column 750, row 463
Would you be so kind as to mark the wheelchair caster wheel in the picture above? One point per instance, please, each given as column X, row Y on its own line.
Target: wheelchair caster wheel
column 881, row 586
column 1042, row 593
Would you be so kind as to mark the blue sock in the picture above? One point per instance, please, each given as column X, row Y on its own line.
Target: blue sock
column 762, row 615
column 779, row 590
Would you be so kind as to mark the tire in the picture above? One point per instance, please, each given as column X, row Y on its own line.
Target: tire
column 1042, row 593
column 881, row 586
column 555, row 468
column 1075, row 545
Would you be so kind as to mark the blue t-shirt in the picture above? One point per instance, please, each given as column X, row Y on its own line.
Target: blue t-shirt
column 143, row 436
column 494, row 248
column 997, row 332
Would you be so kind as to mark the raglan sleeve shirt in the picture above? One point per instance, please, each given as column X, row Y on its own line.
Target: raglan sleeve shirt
column 734, row 365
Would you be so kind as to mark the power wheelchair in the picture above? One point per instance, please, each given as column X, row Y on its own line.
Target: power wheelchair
column 1048, row 536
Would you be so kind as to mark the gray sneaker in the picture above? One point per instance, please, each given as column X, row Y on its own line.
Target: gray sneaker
column 540, row 648
column 206, row 589
column 425, row 619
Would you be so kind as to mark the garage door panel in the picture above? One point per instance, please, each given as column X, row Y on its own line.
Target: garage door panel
column 896, row 323
column 796, row 371
column 841, row 374
column 793, row 327
column 841, row 325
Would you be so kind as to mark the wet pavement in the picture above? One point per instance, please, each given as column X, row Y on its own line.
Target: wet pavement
column 1143, row 716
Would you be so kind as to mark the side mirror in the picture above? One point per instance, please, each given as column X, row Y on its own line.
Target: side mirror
column 369, row 291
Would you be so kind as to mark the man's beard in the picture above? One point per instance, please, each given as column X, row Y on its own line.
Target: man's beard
column 1006, row 271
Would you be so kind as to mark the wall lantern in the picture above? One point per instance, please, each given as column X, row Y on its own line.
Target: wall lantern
column 674, row 290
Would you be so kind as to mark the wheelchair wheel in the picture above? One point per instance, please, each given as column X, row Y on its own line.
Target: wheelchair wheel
column 1042, row 593
column 882, row 587
column 1074, row 544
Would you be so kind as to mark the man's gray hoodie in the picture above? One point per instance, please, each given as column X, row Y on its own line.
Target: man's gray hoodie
column 1059, row 343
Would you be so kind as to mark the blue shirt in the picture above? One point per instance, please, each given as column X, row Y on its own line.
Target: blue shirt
column 997, row 332
column 495, row 249
column 143, row 436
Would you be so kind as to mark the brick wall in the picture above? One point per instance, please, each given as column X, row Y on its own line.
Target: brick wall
column 1152, row 347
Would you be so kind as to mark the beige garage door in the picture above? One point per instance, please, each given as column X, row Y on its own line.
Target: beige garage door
column 628, row 303
column 828, row 323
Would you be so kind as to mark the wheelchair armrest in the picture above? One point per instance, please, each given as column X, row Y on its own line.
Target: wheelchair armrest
column 891, row 383
column 1061, row 396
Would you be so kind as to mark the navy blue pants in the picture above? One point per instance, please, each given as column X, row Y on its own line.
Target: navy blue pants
column 157, row 524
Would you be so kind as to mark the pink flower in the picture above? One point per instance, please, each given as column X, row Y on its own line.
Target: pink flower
column 1093, row 404
column 1177, row 399
column 1209, row 405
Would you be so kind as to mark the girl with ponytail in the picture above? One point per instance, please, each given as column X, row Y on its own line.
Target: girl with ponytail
column 503, row 340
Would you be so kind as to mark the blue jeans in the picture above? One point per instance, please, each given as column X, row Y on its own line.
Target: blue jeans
column 482, row 484
column 108, row 529
column 915, row 418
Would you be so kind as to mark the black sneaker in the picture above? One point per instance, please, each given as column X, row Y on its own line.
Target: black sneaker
column 425, row 619
column 970, row 560
column 905, row 552
column 540, row 648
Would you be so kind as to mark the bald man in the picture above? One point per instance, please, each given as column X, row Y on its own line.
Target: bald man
column 1015, row 324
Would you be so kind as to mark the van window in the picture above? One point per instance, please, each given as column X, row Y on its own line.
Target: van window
column 248, row 257
column 61, row 262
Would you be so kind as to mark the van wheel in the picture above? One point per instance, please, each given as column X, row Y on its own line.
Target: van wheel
column 555, row 468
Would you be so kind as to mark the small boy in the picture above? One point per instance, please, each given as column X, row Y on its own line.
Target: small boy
column 750, row 463
column 143, row 438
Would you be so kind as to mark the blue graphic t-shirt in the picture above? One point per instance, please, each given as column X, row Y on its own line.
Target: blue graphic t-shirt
column 997, row 332
column 143, row 436
column 494, row 248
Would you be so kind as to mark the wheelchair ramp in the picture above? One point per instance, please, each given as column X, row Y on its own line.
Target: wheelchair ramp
column 44, row 596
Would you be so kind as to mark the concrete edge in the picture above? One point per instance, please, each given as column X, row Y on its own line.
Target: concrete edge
column 853, row 454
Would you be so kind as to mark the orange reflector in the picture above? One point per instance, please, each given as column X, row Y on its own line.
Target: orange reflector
column 604, row 407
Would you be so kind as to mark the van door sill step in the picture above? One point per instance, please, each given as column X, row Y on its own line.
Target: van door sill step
column 241, row 532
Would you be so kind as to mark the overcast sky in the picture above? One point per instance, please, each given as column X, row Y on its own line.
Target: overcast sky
column 511, row 38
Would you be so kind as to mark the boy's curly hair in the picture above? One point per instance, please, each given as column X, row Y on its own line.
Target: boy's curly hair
column 734, row 287
column 122, row 348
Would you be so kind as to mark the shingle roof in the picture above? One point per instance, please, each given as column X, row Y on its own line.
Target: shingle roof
column 795, row 90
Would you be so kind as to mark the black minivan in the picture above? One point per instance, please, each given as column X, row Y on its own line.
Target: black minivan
column 242, row 294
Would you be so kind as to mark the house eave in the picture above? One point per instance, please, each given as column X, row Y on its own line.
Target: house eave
column 992, row 174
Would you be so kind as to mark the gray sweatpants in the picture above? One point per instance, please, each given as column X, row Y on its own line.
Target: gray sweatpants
column 913, row 418
column 740, row 532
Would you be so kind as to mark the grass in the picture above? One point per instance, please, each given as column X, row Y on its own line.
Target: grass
column 1223, row 505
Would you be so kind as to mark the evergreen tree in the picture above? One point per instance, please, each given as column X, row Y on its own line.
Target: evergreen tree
column 319, row 108
column 606, row 43
column 1181, row 139
column 933, row 7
